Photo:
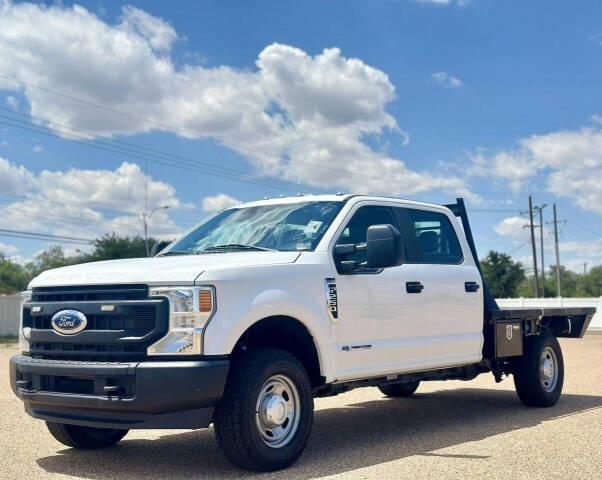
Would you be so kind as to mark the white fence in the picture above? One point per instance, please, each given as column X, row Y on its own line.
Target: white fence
column 9, row 309
column 557, row 302
column 9, row 315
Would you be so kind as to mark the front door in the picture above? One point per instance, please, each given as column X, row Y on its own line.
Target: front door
column 382, row 315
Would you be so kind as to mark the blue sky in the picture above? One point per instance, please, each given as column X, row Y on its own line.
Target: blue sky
column 493, row 100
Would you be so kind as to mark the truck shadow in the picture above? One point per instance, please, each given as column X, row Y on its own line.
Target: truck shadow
column 343, row 439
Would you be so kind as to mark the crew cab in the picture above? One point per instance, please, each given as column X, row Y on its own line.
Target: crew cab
column 253, row 313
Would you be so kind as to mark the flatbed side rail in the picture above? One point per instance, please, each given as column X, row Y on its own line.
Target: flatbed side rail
column 570, row 322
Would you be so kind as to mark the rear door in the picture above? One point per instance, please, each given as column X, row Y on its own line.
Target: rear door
column 453, row 287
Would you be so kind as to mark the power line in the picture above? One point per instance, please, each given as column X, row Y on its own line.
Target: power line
column 522, row 245
column 44, row 236
column 132, row 147
column 73, row 219
column 493, row 210
column 580, row 235
column 195, row 167
column 42, row 239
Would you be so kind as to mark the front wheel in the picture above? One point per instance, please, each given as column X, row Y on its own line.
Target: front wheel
column 264, row 419
column 539, row 373
column 85, row 438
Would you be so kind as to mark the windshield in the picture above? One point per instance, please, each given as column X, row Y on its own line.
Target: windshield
column 283, row 227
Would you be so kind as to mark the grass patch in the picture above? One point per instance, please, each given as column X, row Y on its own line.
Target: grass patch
column 8, row 339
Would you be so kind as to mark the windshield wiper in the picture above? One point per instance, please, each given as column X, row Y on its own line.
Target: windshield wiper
column 237, row 246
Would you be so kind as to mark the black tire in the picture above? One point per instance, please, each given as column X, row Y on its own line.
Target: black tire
column 236, row 427
column 85, row 438
column 397, row 390
column 533, row 385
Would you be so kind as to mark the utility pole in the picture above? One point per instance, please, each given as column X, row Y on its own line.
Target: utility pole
column 584, row 268
column 543, row 265
column 557, row 254
column 145, row 219
column 535, row 276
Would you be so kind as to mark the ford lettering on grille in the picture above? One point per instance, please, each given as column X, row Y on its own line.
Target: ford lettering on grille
column 69, row 322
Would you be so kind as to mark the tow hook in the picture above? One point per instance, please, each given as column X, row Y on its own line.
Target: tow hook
column 112, row 390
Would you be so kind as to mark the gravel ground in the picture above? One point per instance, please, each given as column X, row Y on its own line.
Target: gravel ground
column 449, row 429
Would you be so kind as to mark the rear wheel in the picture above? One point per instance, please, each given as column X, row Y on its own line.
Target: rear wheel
column 86, row 438
column 264, row 419
column 399, row 389
column 539, row 373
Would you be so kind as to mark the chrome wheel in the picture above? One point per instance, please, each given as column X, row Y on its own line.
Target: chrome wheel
column 277, row 411
column 548, row 369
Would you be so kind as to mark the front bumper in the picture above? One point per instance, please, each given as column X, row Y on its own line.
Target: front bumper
column 154, row 394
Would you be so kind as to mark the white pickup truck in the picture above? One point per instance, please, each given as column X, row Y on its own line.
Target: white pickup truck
column 251, row 314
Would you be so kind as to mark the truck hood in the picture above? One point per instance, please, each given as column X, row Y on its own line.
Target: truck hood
column 183, row 269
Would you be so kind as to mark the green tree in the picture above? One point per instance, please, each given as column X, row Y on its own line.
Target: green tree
column 13, row 278
column 53, row 257
column 110, row 247
column 568, row 282
column 502, row 275
column 590, row 284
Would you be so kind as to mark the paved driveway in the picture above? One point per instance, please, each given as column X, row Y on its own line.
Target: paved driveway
column 450, row 429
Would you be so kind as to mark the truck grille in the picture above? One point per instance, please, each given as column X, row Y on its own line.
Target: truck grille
column 88, row 293
column 136, row 322
column 123, row 333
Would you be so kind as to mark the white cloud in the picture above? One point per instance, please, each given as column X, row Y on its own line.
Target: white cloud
column 13, row 179
column 569, row 161
column 445, row 80
column 37, row 149
column 12, row 102
column 296, row 116
column 119, row 189
column 88, row 203
column 597, row 119
column 159, row 34
column 514, row 227
column 219, row 202
column 8, row 249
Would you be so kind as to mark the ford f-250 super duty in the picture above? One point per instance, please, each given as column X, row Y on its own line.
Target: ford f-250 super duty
column 251, row 314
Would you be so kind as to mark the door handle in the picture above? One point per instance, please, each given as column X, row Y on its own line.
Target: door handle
column 471, row 286
column 414, row 287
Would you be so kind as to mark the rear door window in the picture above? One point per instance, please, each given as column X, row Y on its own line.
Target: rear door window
column 435, row 238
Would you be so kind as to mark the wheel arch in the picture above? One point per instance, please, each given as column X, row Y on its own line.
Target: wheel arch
column 287, row 333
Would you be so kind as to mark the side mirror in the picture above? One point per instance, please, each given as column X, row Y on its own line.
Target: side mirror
column 384, row 247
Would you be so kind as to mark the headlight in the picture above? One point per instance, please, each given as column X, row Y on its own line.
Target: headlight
column 24, row 330
column 190, row 309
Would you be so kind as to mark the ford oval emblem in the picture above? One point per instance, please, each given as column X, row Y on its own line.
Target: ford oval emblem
column 69, row 322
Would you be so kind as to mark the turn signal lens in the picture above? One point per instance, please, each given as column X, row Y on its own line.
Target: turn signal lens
column 205, row 301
